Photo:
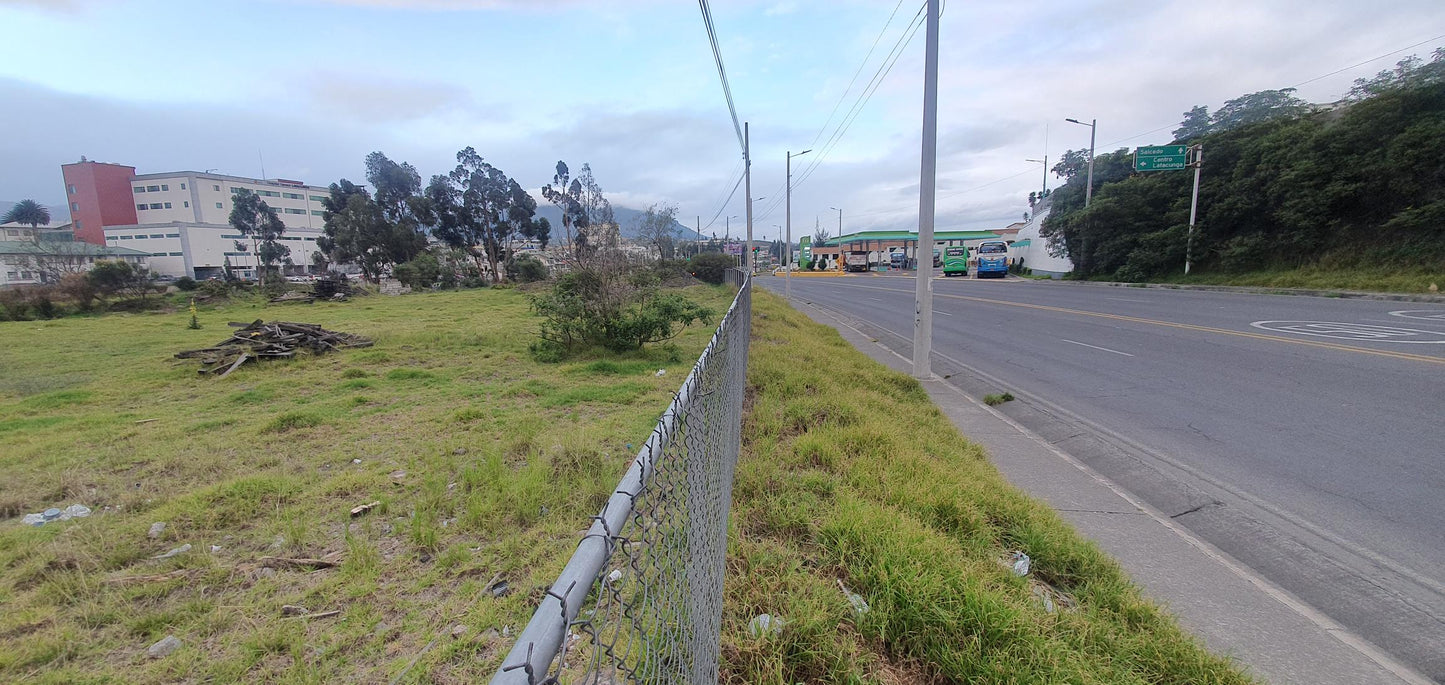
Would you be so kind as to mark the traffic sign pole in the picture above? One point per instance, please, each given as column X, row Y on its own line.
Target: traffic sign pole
column 1198, row 164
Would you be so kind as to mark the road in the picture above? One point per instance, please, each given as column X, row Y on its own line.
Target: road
column 1304, row 436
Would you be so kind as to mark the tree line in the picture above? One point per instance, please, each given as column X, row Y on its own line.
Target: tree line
column 468, row 220
column 1284, row 184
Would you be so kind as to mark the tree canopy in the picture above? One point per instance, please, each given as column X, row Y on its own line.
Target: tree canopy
column 253, row 218
column 27, row 212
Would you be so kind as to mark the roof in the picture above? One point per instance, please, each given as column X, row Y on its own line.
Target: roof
column 862, row 236
column 72, row 248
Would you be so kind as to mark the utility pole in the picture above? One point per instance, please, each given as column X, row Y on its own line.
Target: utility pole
column 840, row 220
column 1193, row 206
column 698, row 245
column 788, row 239
column 923, row 298
column 748, row 190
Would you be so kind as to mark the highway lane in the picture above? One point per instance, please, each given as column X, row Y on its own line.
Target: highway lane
column 1302, row 435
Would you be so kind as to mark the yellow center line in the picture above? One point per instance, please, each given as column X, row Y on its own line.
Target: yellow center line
column 1185, row 326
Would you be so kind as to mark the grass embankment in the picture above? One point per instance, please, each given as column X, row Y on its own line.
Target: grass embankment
column 1415, row 280
column 486, row 465
column 850, row 473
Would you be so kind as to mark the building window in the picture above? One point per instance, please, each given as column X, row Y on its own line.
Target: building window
column 235, row 190
column 153, row 189
column 70, row 188
column 77, row 223
column 157, row 205
column 186, row 203
column 317, row 212
column 12, row 232
column 11, row 275
column 268, row 193
column 158, row 235
column 215, row 187
column 139, row 189
column 176, row 254
column 140, row 206
column 126, row 237
column 291, row 196
column 317, row 198
column 75, row 206
column 110, row 237
column 168, row 205
column 183, row 186
column 173, row 235
column 295, row 211
column 165, row 187
column 218, row 205
column 232, row 237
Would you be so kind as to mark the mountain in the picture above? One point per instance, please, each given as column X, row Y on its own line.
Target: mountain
column 627, row 220
column 59, row 214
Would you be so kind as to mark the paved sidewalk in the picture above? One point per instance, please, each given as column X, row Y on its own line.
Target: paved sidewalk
column 1234, row 611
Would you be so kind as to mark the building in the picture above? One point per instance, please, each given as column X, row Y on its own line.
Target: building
column 181, row 220
column 880, row 245
column 43, row 255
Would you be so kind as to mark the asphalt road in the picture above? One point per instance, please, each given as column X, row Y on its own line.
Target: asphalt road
column 1304, row 436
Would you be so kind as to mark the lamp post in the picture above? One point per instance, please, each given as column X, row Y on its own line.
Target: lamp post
column 1093, row 128
column 840, row 220
column 788, row 239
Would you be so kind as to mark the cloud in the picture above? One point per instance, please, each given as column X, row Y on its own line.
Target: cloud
column 372, row 99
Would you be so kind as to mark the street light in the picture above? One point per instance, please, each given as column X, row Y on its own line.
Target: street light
column 840, row 220
column 1093, row 128
column 788, row 240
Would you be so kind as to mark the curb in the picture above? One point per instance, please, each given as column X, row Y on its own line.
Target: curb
column 1257, row 290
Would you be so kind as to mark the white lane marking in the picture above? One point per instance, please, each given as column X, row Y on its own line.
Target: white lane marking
column 1351, row 331
column 941, row 312
column 1426, row 314
column 1105, row 349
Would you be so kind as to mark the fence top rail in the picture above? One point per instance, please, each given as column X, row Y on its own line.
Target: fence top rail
column 528, row 660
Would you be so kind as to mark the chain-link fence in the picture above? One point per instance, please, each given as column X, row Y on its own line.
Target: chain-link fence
column 641, row 598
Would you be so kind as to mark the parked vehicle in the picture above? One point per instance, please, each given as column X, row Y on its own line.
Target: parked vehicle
column 897, row 260
column 993, row 259
column 955, row 261
column 857, row 261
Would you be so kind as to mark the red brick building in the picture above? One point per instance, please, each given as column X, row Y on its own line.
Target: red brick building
column 99, row 195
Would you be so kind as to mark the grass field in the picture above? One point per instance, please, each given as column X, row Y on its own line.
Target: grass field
column 486, row 464
column 1415, row 280
column 851, row 478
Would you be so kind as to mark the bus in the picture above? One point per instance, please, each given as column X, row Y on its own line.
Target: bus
column 955, row 261
column 993, row 259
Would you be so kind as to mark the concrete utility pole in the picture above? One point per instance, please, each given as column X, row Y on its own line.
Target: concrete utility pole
column 1193, row 206
column 840, row 220
column 1093, row 128
column 788, row 240
column 923, row 298
column 748, row 190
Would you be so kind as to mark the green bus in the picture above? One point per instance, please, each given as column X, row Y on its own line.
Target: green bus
column 955, row 261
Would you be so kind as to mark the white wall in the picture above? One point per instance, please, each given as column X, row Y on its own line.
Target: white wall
column 198, row 250
column 297, row 206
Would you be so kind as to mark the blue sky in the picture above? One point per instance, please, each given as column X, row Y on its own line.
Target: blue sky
column 630, row 87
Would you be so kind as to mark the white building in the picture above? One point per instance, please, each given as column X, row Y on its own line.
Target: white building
column 183, row 223
column 39, row 256
column 1034, row 248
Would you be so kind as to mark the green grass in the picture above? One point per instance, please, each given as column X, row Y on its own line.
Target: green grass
column 849, row 474
column 499, row 461
column 995, row 399
column 1412, row 280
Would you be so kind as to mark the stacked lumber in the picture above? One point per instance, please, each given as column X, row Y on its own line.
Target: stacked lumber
column 274, row 340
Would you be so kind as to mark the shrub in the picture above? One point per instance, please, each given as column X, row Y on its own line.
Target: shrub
column 14, row 303
column 42, row 305
column 213, row 288
column 186, row 284
column 419, row 273
column 710, row 267
column 526, row 269
column 78, row 289
column 611, row 305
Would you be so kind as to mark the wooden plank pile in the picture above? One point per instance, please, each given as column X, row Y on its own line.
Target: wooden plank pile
column 275, row 340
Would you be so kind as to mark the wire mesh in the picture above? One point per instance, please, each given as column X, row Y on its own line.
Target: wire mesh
column 640, row 601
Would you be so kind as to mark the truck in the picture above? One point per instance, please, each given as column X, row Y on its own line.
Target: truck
column 856, row 260
column 992, row 259
column 897, row 260
column 955, row 261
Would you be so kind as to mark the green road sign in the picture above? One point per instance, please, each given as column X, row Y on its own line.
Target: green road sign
column 1161, row 157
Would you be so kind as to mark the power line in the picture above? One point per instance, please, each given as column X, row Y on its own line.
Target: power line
column 721, row 71
column 861, row 64
column 725, row 203
column 884, row 68
column 1372, row 59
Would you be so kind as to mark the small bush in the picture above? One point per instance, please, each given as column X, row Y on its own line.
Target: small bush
column 213, row 288
column 997, row 399
column 526, row 269
column 186, row 284
column 711, row 267
column 14, row 304
column 609, row 305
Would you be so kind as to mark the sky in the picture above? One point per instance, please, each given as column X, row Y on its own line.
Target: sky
column 309, row 87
